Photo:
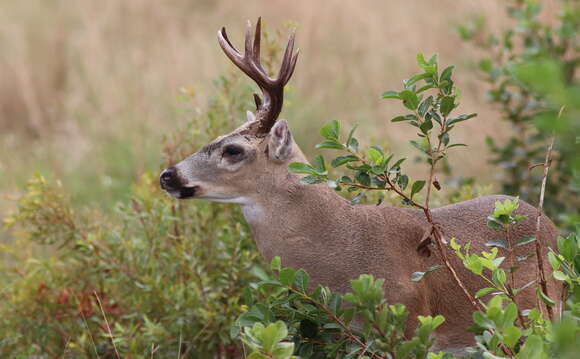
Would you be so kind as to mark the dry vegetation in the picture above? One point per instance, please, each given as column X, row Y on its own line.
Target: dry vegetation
column 88, row 87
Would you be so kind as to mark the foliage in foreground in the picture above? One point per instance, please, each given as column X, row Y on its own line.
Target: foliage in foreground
column 287, row 317
column 321, row 323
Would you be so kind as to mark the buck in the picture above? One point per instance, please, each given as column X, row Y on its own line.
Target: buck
column 311, row 227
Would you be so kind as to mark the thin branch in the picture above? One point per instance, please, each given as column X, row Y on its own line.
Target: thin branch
column 87, row 325
column 337, row 320
column 541, row 273
column 107, row 324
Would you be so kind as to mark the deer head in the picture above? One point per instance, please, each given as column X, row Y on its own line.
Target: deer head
column 225, row 170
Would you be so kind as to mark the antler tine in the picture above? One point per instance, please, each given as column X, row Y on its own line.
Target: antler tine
column 292, row 67
column 272, row 89
column 248, row 54
column 286, row 59
column 257, row 40
column 231, row 52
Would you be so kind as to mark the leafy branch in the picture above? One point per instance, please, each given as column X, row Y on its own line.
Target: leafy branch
column 431, row 98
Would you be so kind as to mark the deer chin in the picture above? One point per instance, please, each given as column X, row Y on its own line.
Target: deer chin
column 183, row 193
column 224, row 198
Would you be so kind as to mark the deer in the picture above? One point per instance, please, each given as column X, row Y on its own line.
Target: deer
column 314, row 228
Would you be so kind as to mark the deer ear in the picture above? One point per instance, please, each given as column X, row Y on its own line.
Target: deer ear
column 280, row 144
column 250, row 116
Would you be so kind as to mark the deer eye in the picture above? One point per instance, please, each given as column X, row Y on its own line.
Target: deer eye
column 233, row 150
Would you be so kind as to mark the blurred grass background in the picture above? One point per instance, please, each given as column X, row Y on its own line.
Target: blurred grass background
column 89, row 88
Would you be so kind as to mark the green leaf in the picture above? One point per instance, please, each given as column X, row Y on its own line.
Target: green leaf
column 301, row 280
column 319, row 164
column 549, row 302
column 498, row 277
column 457, row 145
column 430, row 67
column 559, row 275
column 351, row 134
column 273, row 334
column 447, row 105
column 257, row 355
column 454, row 245
column 286, row 276
column 299, row 167
column 568, row 247
column 553, row 259
column 375, row 155
column 417, row 276
column 276, row 263
column 525, row 240
column 331, row 130
column 426, row 126
column 511, row 335
column 352, row 144
column 480, row 319
column 533, row 348
column 390, row 94
column 283, row 351
column 454, row 120
column 399, row 119
column 341, row 160
column 446, row 74
column 497, row 243
column 363, row 178
column 424, row 106
column 420, row 146
column 410, row 99
column 403, row 181
column 483, row 292
column 330, row 145
column 494, row 223
column 417, row 187
column 408, row 83
column 311, row 179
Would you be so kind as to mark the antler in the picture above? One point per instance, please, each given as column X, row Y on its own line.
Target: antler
column 272, row 89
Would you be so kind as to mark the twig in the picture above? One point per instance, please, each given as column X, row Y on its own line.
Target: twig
column 541, row 273
column 435, row 230
column 87, row 325
column 107, row 324
column 337, row 320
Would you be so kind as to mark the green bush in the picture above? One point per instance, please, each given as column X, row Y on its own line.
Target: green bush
column 159, row 277
column 531, row 72
column 321, row 323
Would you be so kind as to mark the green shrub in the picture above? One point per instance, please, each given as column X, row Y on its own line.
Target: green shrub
column 321, row 323
column 531, row 72
column 159, row 277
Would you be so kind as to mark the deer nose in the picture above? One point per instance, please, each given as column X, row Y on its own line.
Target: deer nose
column 168, row 179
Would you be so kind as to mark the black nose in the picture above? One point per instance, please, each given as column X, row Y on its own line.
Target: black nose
column 169, row 179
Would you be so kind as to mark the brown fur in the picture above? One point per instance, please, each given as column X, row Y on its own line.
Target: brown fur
column 311, row 227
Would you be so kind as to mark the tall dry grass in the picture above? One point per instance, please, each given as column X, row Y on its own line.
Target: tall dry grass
column 88, row 86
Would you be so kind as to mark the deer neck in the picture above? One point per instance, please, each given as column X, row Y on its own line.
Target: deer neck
column 284, row 212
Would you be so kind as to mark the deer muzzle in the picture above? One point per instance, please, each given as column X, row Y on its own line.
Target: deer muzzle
column 170, row 182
